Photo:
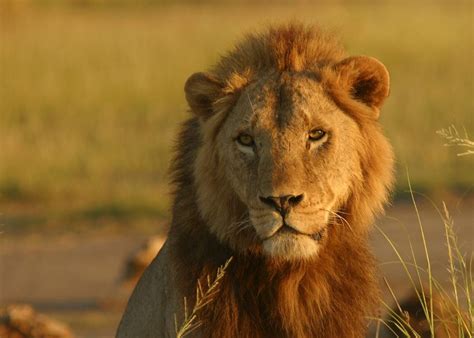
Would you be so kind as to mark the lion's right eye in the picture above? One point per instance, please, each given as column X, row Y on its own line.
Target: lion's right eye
column 316, row 134
column 245, row 140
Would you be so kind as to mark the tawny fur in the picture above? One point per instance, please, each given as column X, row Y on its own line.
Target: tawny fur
column 331, row 290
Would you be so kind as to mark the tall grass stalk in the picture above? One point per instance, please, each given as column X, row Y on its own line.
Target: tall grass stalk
column 456, row 258
column 453, row 138
column 204, row 297
column 455, row 310
column 428, row 262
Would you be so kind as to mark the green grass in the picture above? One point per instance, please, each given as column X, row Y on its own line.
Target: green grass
column 90, row 97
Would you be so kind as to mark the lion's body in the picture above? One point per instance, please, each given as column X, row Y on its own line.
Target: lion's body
column 154, row 302
column 318, row 280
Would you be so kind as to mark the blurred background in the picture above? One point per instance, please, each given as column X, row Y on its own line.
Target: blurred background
column 91, row 96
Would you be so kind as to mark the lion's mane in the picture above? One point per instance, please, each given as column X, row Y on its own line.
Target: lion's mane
column 262, row 297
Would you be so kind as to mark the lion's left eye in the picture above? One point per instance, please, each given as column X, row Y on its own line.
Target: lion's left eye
column 316, row 134
column 245, row 140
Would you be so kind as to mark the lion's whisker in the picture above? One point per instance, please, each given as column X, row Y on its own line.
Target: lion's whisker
column 258, row 217
column 344, row 221
column 343, row 212
column 244, row 227
column 309, row 212
column 239, row 226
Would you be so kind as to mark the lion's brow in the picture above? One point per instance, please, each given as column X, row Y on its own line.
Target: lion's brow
column 286, row 109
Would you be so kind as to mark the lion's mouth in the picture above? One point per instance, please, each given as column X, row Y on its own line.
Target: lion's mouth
column 288, row 230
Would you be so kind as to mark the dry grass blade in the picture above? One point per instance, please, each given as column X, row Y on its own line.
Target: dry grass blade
column 453, row 138
column 458, row 266
column 449, row 239
column 429, row 313
column 401, row 320
column 399, row 257
column 381, row 321
column 449, row 315
column 203, row 298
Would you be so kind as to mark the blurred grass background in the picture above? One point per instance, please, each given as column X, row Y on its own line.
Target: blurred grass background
column 91, row 94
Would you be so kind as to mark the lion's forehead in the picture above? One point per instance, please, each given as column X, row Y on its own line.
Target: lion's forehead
column 291, row 101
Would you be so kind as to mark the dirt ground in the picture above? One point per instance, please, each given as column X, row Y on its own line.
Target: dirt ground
column 76, row 279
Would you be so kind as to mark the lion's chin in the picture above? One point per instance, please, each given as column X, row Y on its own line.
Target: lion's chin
column 290, row 246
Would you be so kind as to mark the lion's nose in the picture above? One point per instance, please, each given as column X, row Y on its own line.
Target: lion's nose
column 282, row 204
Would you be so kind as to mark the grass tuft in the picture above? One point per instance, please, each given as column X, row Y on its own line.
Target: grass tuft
column 453, row 138
column 445, row 311
column 204, row 296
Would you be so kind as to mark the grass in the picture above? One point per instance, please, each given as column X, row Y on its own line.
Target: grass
column 91, row 96
column 454, row 310
column 205, row 296
column 453, row 138
column 445, row 311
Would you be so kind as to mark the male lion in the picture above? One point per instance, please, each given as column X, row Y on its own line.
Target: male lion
column 282, row 166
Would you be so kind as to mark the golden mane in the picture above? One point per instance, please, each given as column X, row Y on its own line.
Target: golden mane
column 292, row 47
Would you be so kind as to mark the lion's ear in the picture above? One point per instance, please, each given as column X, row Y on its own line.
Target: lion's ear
column 366, row 79
column 202, row 90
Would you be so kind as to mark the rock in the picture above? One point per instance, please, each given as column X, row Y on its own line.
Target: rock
column 22, row 321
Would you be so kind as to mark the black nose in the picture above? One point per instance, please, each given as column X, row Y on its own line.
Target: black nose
column 282, row 203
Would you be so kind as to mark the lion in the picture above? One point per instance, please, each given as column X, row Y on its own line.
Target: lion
column 283, row 166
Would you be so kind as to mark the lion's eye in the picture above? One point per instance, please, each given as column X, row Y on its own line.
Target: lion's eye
column 245, row 140
column 316, row 134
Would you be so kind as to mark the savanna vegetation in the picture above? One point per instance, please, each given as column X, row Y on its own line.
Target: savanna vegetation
column 91, row 95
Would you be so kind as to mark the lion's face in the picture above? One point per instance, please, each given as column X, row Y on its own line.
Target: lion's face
column 283, row 155
column 289, row 154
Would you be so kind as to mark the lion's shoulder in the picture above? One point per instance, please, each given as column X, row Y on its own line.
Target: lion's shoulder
column 154, row 302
